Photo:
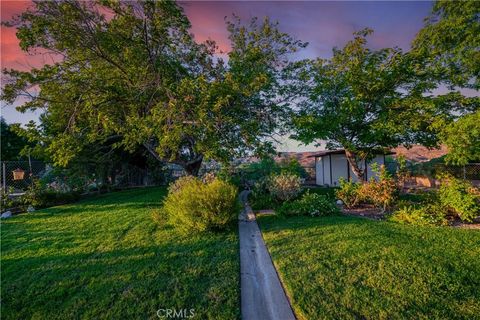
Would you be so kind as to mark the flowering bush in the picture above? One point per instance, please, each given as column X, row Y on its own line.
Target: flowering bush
column 381, row 192
column 285, row 186
column 311, row 204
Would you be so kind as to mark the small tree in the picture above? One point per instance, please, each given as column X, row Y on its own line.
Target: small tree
column 364, row 101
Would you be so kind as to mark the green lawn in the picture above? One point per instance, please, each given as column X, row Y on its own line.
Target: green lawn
column 106, row 258
column 351, row 268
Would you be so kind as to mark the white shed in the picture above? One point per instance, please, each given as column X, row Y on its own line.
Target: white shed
column 331, row 165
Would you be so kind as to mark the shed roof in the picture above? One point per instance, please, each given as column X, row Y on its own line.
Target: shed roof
column 342, row 151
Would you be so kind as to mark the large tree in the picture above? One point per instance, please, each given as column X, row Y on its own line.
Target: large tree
column 12, row 143
column 450, row 45
column 365, row 101
column 450, row 41
column 131, row 73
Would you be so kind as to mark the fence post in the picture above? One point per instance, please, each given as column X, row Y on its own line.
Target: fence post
column 4, row 182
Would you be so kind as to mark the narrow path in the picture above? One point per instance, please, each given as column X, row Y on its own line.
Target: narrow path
column 262, row 295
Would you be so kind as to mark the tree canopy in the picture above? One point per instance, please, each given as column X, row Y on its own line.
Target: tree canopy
column 365, row 101
column 131, row 74
column 450, row 40
column 12, row 143
column 463, row 139
column 449, row 43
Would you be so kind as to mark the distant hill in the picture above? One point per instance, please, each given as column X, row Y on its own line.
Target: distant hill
column 418, row 153
column 302, row 157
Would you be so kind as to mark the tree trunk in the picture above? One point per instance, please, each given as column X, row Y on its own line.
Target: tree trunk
column 193, row 167
column 352, row 160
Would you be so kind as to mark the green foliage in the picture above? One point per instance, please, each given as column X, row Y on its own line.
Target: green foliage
column 260, row 170
column 230, row 175
column 194, row 205
column 382, row 192
column 423, row 215
column 39, row 196
column 326, row 191
column 449, row 44
column 12, row 143
column 267, row 166
column 262, row 201
column 310, row 204
column 450, row 40
column 364, row 101
column 455, row 197
column 462, row 138
column 460, row 197
column 269, row 192
column 292, row 166
column 348, row 193
column 6, row 199
column 137, row 78
column 285, row 186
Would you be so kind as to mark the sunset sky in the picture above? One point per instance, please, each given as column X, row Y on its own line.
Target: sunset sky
column 322, row 24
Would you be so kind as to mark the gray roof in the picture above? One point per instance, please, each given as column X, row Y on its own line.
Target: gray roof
column 342, row 151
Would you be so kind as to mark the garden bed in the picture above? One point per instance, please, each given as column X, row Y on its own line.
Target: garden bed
column 365, row 211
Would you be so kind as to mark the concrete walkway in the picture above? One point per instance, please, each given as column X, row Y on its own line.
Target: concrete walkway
column 262, row 295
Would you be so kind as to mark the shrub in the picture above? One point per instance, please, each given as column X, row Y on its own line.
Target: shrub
column 311, row 204
column 292, row 166
column 460, row 197
column 381, row 192
column 429, row 214
column 348, row 193
column 193, row 205
column 285, row 186
column 262, row 201
column 39, row 196
column 256, row 171
column 261, row 198
column 267, row 167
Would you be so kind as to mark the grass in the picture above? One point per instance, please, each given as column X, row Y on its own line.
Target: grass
column 351, row 268
column 106, row 258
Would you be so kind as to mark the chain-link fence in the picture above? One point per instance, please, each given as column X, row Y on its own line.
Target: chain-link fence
column 133, row 176
column 470, row 171
column 18, row 175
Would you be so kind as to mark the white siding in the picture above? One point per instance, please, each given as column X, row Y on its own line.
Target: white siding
column 319, row 170
column 339, row 168
column 326, row 170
